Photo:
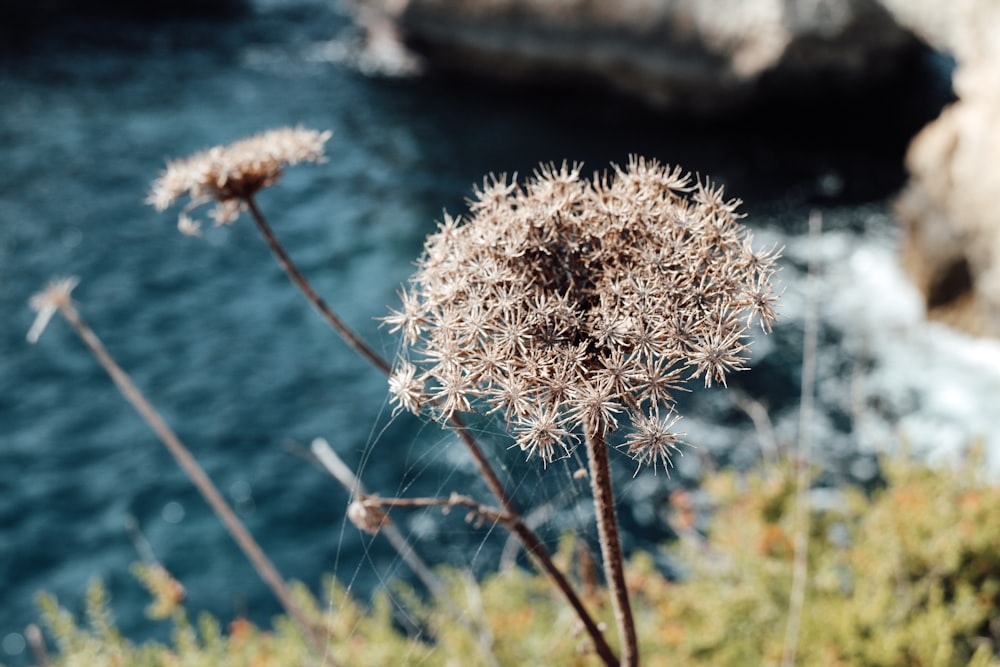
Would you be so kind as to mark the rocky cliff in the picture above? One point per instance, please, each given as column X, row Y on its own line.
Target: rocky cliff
column 952, row 247
column 715, row 56
column 693, row 55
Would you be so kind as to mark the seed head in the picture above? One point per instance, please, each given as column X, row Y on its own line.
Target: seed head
column 573, row 305
column 652, row 440
column 230, row 174
column 406, row 389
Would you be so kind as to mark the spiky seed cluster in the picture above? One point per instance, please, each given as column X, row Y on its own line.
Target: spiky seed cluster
column 567, row 305
column 230, row 174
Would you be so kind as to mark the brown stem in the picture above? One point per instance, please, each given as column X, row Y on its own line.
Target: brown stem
column 205, row 486
column 515, row 524
column 342, row 473
column 534, row 547
column 485, row 469
column 315, row 299
column 490, row 514
column 611, row 546
column 532, row 543
column 364, row 350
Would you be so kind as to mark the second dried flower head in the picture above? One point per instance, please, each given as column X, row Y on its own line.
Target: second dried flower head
column 572, row 306
column 231, row 175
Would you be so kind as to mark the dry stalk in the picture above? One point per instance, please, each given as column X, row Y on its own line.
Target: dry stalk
column 57, row 298
column 758, row 414
column 611, row 545
column 340, row 471
column 478, row 513
column 800, row 566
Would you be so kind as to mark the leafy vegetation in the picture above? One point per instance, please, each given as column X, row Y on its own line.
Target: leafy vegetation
column 908, row 575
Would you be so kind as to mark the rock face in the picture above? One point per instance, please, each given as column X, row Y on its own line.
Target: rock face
column 949, row 208
column 713, row 56
column 691, row 55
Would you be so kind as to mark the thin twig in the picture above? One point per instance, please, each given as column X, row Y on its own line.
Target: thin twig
column 333, row 464
column 757, row 412
column 205, row 486
column 533, row 545
column 485, row 469
column 139, row 541
column 315, row 299
column 611, row 546
column 515, row 524
column 476, row 509
column 534, row 519
column 800, row 565
column 343, row 474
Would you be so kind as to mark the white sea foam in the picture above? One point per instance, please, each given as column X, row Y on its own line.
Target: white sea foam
column 927, row 387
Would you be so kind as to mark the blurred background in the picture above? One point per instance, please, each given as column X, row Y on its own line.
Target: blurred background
column 794, row 107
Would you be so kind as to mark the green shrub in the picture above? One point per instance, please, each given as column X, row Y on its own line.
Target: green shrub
column 908, row 576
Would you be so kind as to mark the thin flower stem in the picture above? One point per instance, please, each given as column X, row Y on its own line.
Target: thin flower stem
column 362, row 348
column 205, row 486
column 533, row 545
column 340, row 471
column 800, row 565
column 490, row 514
column 485, row 469
column 515, row 524
column 611, row 546
column 315, row 299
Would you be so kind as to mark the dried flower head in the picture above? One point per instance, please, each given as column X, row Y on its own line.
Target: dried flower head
column 230, row 174
column 571, row 305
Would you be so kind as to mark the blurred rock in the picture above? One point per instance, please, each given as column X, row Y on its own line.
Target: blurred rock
column 717, row 56
column 704, row 56
column 952, row 246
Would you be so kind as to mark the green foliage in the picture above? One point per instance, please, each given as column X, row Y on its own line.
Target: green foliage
column 909, row 576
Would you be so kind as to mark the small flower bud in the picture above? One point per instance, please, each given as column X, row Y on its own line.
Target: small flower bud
column 367, row 517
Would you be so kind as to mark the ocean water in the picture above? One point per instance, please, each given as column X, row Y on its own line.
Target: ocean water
column 247, row 374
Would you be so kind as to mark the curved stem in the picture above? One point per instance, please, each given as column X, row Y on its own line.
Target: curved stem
column 300, row 281
column 611, row 546
column 485, row 469
column 533, row 545
column 543, row 559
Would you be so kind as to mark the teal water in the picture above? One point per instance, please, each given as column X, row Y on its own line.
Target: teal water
column 240, row 366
